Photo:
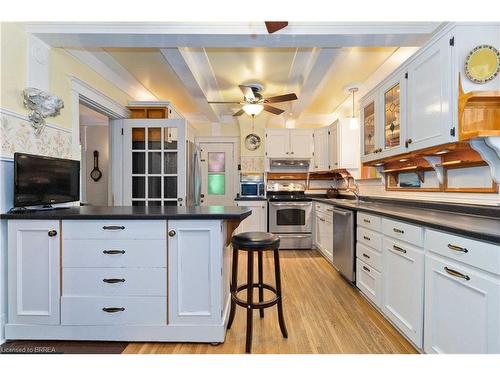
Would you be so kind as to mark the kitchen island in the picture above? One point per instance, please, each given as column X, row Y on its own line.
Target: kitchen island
column 120, row 273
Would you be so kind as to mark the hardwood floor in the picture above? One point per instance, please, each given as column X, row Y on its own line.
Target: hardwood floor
column 323, row 313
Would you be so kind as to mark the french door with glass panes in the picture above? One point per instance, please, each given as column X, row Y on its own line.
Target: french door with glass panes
column 154, row 162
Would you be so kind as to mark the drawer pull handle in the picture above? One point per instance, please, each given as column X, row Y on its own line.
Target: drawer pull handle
column 366, row 268
column 111, row 252
column 457, row 248
column 366, row 256
column 113, row 227
column 113, row 309
column 456, row 273
column 398, row 230
column 366, row 238
column 52, row 233
column 113, row 281
column 397, row 248
column 366, row 221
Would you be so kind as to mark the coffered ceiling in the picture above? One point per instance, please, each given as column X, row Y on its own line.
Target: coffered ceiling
column 190, row 65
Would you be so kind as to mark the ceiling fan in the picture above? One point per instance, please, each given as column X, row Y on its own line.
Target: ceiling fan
column 254, row 102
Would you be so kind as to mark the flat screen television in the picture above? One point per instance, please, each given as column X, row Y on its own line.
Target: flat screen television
column 42, row 180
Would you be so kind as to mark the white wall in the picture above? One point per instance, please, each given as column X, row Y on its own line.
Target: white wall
column 96, row 138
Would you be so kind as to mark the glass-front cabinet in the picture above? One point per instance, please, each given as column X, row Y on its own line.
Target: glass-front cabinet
column 393, row 116
column 370, row 143
column 153, row 162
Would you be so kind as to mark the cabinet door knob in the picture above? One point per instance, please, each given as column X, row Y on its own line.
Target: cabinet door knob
column 52, row 233
column 171, row 233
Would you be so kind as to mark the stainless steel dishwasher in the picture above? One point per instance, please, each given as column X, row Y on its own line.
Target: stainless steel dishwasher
column 343, row 242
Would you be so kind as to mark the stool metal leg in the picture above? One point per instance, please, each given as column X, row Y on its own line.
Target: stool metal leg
column 261, row 281
column 249, row 301
column 278, row 289
column 233, row 286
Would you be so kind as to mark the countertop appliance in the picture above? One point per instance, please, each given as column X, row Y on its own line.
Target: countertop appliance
column 343, row 242
column 290, row 215
column 193, row 175
column 252, row 185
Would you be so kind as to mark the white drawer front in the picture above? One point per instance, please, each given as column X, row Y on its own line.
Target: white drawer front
column 478, row 254
column 114, row 282
column 322, row 207
column 114, row 229
column 369, row 221
column 370, row 238
column 369, row 256
column 114, row 253
column 136, row 311
column 368, row 280
column 410, row 233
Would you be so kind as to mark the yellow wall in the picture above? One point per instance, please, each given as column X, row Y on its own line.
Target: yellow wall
column 61, row 67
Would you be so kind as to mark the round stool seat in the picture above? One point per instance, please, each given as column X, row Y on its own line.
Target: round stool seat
column 255, row 240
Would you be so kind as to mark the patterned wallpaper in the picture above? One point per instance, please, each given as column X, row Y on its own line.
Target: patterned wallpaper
column 17, row 135
column 252, row 163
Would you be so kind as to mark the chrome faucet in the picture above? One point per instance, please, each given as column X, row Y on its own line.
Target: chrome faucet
column 354, row 190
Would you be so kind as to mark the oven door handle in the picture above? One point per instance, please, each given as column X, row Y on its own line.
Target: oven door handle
column 291, row 204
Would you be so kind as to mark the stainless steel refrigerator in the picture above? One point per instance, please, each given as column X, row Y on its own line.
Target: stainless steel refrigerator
column 193, row 175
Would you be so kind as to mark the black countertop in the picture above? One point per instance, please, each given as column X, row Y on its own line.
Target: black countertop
column 250, row 199
column 135, row 213
column 480, row 227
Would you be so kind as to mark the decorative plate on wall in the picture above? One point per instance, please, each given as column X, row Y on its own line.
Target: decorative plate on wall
column 252, row 142
column 482, row 63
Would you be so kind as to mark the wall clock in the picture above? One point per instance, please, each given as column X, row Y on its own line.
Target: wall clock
column 482, row 64
column 252, row 142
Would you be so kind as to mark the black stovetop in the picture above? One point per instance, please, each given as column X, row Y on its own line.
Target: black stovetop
column 287, row 196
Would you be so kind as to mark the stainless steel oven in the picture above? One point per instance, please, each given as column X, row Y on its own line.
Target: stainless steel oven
column 290, row 217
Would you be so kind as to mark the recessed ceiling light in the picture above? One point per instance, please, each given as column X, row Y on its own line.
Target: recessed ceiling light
column 379, row 164
column 403, row 159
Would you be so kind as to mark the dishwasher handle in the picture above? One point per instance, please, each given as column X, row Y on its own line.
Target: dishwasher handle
column 336, row 211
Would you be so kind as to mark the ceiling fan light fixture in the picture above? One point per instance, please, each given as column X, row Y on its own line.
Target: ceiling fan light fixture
column 253, row 109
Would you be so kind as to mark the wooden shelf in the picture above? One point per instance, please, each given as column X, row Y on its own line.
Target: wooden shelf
column 478, row 113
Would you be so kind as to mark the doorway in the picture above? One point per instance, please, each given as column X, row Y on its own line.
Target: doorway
column 218, row 173
column 95, row 165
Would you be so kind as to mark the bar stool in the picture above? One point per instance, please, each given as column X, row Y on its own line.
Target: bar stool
column 255, row 242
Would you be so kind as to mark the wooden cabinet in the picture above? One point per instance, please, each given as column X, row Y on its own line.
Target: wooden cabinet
column 403, row 287
column 321, row 147
column 257, row 221
column 34, row 274
column 429, row 96
column 461, row 308
column 289, row 143
column 195, row 248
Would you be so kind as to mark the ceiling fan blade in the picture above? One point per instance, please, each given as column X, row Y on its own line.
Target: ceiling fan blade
column 281, row 98
column 247, row 92
column 275, row 26
column 273, row 110
column 239, row 113
column 224, row 102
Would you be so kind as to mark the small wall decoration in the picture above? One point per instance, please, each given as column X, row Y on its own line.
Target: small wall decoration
column 252, row 142
column 482, row 64
column 43, row 105
column 96, row 174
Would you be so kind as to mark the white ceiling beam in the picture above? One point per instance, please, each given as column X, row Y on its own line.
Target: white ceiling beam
column 188, row 76
column 200, row 35
column 106, row 66
column 320, row 63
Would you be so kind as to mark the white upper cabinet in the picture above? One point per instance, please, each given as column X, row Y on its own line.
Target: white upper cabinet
column 289, row 143
column 277, row 143
column 301, row 143
column 429, row 96
column 370, row 127
column 393, row 115
column 344, row 144
column 321, row 157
